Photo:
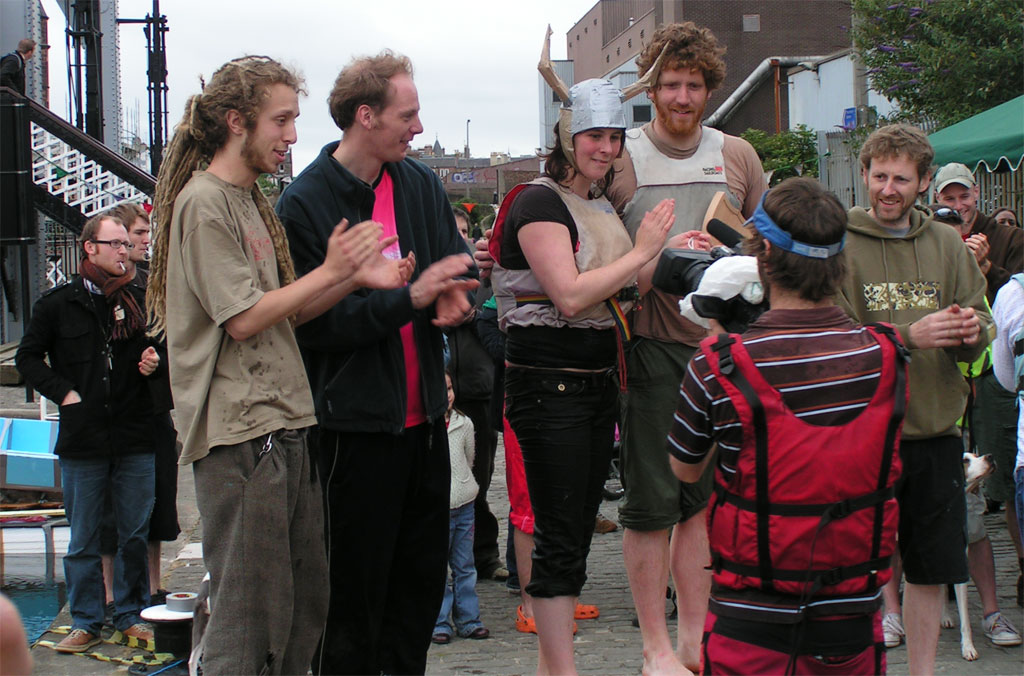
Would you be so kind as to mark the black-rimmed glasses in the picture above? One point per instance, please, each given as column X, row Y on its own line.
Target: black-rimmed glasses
column 114, row 243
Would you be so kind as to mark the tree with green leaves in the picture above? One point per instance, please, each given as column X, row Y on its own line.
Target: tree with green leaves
column 941, row 60
column 793, row 152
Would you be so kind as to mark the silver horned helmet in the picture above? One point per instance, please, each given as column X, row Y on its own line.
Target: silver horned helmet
column 594, row 103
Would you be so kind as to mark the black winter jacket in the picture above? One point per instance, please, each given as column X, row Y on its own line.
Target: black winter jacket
column 12, row 72
column 115, row 416
column 353, row 352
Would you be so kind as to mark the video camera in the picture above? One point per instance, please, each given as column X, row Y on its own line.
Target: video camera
column 727, row 300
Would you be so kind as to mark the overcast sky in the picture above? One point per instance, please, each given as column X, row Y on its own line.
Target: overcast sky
column 473, row 59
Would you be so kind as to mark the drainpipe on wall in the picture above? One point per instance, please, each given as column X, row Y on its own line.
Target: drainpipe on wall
column 750, row 85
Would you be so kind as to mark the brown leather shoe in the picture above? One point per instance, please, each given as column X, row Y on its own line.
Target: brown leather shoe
column 140, row 631
column 78, row 641
column 603, row 525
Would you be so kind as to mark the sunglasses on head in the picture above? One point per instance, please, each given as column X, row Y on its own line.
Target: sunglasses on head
column 947, row 215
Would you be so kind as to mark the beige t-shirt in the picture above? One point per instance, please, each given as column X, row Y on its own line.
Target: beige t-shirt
column 220, row 262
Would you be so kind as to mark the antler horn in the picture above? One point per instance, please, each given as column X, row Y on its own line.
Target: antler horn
column 547, row 71
column 649, row 79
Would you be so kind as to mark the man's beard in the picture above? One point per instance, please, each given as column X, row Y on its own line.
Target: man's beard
column 252, row 158
column 679, row 128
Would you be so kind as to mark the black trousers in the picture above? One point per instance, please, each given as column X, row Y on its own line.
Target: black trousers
column 485, row 538
column 565, row 423
column 386, row 505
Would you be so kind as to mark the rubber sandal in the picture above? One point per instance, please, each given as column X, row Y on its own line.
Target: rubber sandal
column 528, row 625
column 586, row 612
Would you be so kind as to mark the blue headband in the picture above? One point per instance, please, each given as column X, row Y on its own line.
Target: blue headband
column 770, row 230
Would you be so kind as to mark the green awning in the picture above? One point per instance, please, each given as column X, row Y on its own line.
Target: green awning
column 985, row 139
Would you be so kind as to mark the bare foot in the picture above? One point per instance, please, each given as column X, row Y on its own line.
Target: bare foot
column 664, row 664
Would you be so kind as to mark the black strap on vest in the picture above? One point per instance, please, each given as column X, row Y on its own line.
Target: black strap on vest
column 723, row 346
column 828, row 511
column 821, row 578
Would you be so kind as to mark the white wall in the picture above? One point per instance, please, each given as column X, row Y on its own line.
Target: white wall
column 818, row 99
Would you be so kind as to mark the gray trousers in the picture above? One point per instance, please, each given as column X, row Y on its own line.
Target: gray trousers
column 263, row 543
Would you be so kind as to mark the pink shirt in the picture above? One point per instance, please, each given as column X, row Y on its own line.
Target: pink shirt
column 384, row 213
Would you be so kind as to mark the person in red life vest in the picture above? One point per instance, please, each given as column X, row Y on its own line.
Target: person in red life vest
column 806, row 408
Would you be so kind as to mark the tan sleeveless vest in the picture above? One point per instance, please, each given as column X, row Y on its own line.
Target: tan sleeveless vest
column 692, row 183
column 602, row 240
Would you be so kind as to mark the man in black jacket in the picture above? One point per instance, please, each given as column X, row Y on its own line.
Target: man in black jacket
column 12, row 66
column 374, row 362
column 94, row 332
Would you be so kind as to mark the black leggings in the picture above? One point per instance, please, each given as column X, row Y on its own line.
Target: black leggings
column 565, row 423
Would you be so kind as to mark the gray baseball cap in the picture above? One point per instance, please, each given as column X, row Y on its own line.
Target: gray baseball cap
column 954, row 172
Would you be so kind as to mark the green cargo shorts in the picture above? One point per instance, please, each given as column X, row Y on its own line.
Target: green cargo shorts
column 654, row 498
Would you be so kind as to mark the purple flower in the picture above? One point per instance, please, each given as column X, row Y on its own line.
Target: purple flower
column 914, row 81
column 887, row 49
column 875, row 70
column 896, row 6
column 915, row 11
column 891, row 89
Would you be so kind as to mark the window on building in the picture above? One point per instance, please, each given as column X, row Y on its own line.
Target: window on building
column 751, row 23
column 642, row 113
column 616, row 51
column 629, row 43
column 595, row 22
column 641, row 34
column 584, row 30
column 607, row 58
column 577, row 37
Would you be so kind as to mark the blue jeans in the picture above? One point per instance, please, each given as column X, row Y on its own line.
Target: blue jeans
column 1018, row 498
column 131, row 482
column 460, row 597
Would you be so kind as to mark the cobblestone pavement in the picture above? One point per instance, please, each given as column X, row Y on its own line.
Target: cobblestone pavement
column 607, row 645
column 611, row 644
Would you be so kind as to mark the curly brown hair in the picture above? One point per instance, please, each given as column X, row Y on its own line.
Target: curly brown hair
column 365, row 81
column 899, row 139
column 690, row 47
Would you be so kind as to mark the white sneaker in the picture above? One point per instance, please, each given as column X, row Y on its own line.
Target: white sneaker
column 892, row 630
column 999, row 630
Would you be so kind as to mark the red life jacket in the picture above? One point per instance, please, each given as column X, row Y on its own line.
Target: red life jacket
column 810, row 511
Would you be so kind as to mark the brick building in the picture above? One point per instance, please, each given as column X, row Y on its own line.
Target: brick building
column 607, row 39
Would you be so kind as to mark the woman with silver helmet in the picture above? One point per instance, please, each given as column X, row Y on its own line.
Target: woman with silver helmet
column 564, row 280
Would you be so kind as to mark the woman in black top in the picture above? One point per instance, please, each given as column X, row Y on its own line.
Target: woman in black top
column 565, row 273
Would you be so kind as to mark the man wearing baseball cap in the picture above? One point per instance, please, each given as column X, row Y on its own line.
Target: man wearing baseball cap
column 999, row 249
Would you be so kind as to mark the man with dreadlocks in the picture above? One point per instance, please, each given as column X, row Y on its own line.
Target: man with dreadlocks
column 93, row 330
column 222, row 287
column 375, row 363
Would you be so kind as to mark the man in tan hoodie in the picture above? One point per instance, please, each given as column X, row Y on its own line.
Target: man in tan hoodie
column 918, row 276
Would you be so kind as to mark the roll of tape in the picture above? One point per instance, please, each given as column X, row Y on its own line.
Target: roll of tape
column 182, row 602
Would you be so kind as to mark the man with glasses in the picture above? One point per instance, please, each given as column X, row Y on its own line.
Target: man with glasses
column 93, row 330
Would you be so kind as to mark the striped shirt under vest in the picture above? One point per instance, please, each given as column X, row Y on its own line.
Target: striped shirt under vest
column 825, row 366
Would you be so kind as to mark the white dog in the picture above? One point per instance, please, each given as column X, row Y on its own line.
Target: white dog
column 976, row 468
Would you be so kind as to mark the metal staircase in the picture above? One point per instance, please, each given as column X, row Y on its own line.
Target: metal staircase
column 53, row 178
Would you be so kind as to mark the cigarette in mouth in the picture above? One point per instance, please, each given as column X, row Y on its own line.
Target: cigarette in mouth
column 123, row 268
